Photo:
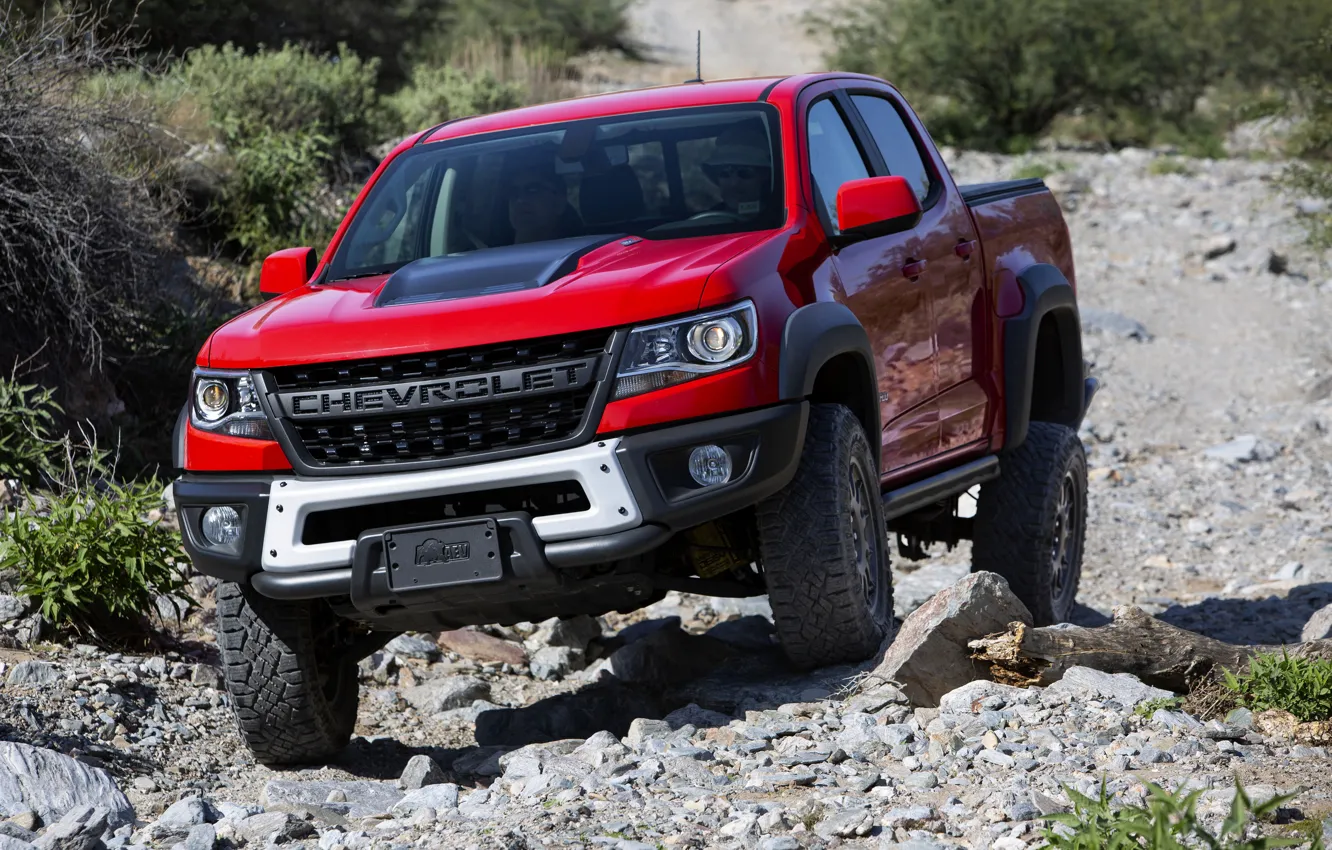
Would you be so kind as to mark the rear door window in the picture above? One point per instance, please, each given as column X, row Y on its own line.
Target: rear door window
column 895, row 141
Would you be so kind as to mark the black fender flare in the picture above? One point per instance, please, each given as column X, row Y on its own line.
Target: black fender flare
column 814, row 335
column 178, row 439
column 1046, row 292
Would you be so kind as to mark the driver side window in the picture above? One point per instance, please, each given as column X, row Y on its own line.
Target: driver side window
column 834, row 157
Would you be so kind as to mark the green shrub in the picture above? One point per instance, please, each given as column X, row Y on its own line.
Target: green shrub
column 1302, row 686
column 436, row 94
column 251, row 95
column 288, row 120
column 998, row 73
column 1312, row 142
column 1168, row 821
column 270, row 198
column 95, row 562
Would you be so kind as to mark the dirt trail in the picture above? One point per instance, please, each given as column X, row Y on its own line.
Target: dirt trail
column 740, row 38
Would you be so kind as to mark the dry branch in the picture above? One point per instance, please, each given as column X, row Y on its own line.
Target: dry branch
column 1156, row 652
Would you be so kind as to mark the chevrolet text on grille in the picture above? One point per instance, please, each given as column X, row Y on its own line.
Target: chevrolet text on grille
column 415, row 395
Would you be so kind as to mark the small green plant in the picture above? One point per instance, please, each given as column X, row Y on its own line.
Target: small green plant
column 1038, row 170
column 1302, row 686
column 27, row 414
column 96, row 561
column 1168, row 821
column 1168, row 165
column 1151, row 706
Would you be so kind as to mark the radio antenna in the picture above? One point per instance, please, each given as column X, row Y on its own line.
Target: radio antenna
column 698, row 58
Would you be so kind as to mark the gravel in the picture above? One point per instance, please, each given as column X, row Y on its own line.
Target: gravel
column 681, row 726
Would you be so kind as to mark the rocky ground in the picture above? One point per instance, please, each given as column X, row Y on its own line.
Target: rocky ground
column 679, row 726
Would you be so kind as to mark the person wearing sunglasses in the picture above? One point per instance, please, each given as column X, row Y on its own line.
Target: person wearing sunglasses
column 741, row 168
column 538, row 204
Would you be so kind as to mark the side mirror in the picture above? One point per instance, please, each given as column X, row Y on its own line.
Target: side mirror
column 285, row 270
column 876, row 206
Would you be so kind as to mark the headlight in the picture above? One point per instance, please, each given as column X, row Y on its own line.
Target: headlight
column 211, row 399
column 669, row 353
column 228, row 403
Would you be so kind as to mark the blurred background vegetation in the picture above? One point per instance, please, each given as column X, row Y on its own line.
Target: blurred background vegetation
column 161, row 148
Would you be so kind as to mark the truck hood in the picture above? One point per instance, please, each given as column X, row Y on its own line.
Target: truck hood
column 614, row 284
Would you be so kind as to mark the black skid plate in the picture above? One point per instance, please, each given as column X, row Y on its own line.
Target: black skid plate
column 465, row 551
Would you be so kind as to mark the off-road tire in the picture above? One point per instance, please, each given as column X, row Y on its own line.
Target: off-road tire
column 1031, row 521
column 810, row 536
column 293, row 693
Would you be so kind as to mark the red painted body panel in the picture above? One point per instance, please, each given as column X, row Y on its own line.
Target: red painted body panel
column 206, row 452
column 613, row 285
column 1015, row 234
column 936, row 335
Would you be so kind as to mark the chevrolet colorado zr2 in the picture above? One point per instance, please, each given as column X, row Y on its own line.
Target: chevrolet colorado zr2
column 721, row 338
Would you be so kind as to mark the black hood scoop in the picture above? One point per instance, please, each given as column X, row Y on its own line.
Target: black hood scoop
column 487, row 271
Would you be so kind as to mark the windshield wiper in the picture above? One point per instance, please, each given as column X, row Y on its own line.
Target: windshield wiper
column 371, row 273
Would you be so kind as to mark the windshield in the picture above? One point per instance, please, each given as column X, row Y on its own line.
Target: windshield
column 658, row 175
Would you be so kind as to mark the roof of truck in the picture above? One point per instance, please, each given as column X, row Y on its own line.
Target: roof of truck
column 709, row 93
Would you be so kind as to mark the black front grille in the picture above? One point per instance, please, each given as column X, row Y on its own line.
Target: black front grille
column 440, row 364
column 378, row 437
column 464, row 430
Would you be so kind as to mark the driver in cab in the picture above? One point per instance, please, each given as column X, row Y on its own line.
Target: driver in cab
column 741, row 168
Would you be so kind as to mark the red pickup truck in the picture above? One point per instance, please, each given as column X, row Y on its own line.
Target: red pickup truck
column 720, row 338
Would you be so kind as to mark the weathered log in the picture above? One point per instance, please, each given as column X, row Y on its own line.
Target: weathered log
column 1156, row 652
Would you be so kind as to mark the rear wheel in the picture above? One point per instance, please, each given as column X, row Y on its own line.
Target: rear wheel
column 294, row 692
column 824, row 547
column 1031, row 522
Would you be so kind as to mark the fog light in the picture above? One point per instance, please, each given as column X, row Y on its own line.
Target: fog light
column 710, row 465
column 221, row 526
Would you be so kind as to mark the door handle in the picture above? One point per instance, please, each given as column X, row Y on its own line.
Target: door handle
column 913, row 270
column 965, row 249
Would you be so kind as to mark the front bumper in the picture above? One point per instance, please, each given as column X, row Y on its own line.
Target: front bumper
column 637, row 488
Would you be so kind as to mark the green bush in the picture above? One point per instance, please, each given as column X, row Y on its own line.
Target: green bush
column 1302, row 686
column 1168, row 821
column 379, row 29
column 288, row 120
column 997, row 73
column 251, row 95
column 1312, row 142
column 96, row 561
column 271, row 198
column 437, row 94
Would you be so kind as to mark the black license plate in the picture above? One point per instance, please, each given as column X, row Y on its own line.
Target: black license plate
column 465, row 551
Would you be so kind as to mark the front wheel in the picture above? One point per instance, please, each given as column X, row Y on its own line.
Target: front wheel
column 1031, row 522
column 824, row 547
column 294, row 694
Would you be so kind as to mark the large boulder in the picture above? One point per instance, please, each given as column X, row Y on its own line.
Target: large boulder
column 929, row 655
column 444, row 694
column 1079, row 684
column 52, row 785
column 480, row 646
column 362, row 798
column 1319, row 626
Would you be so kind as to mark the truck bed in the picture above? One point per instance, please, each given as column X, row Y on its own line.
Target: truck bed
column 976, row 194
